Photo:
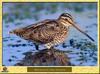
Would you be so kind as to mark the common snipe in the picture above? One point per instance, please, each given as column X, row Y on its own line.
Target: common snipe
column 49, row 32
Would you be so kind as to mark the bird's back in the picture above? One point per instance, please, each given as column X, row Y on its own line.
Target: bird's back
column 42, row 32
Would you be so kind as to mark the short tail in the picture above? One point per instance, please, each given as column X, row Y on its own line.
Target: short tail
column 11, row 32
column 15, row 31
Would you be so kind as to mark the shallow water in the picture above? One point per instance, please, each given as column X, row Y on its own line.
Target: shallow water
column 14, row 46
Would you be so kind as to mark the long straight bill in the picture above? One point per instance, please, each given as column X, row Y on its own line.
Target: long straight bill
column 78, row 28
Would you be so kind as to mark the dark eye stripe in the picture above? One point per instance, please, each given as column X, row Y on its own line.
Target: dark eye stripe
column 66, row 14
column 68, row 17
column 68, row 21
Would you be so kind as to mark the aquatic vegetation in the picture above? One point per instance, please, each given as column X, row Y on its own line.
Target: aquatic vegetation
column 32, row 10
column 79, row 50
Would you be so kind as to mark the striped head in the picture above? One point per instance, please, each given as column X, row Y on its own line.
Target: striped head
column 66, row 19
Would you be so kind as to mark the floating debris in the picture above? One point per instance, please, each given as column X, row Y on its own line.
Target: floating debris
column 17, row 45
column 23, row 44
column 71, row 42
column 5, row 40
column 64, row 45
column 14, row 57
column 18, row 50
column 10, row 60
column 18, row 41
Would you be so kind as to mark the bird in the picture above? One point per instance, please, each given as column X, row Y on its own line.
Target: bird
column 49, row 32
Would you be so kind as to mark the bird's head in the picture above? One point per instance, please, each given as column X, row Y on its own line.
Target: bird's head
column 67, row 20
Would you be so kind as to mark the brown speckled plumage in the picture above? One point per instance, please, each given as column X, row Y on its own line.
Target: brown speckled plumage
column 48, row 32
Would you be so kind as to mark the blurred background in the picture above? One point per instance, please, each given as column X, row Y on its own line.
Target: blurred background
column 80, row 50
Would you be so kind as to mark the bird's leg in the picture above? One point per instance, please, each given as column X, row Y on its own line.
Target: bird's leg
column 52, row 50
column 36, row 46
column 49, row 46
